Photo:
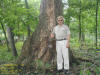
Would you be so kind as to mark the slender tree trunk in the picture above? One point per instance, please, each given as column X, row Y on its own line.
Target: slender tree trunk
column 68, row 20
column 18, row 31
column 96, row 20
column 83, row 36
column 11, row 41
column 28, row 27
column 29, row 30
column 80, row 22
column 5, row 36
column 3, row 9
column 36, row 46
column 80, row 30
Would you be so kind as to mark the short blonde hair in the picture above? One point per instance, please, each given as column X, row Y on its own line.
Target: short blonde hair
column 60, row 17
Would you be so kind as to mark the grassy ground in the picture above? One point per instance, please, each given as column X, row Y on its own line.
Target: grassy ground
column 84, row 68
column 6, row 56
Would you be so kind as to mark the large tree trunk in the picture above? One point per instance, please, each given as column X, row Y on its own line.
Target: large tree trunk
column 36, row 46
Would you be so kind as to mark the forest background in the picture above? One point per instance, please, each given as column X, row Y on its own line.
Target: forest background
column 20, row 18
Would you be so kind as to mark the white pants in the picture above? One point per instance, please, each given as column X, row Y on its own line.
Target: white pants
column 62, row 55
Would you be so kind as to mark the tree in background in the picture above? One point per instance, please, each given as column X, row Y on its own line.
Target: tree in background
column 15, row 18
column 3, row 21
column 97, row 2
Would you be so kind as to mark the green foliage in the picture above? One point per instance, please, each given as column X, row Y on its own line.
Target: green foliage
column 7, row 56
column 74, row 43
column 97, row 70
column 82, row 72
column 4, row 55
column 14, row 13
column 17, row 16
column 87, row 21
column 40, row 64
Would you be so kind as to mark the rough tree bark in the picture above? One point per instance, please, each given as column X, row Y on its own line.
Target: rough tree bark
column 36, row 46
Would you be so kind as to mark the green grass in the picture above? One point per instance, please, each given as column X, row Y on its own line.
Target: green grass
column 19, row 47
column 6, row 56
